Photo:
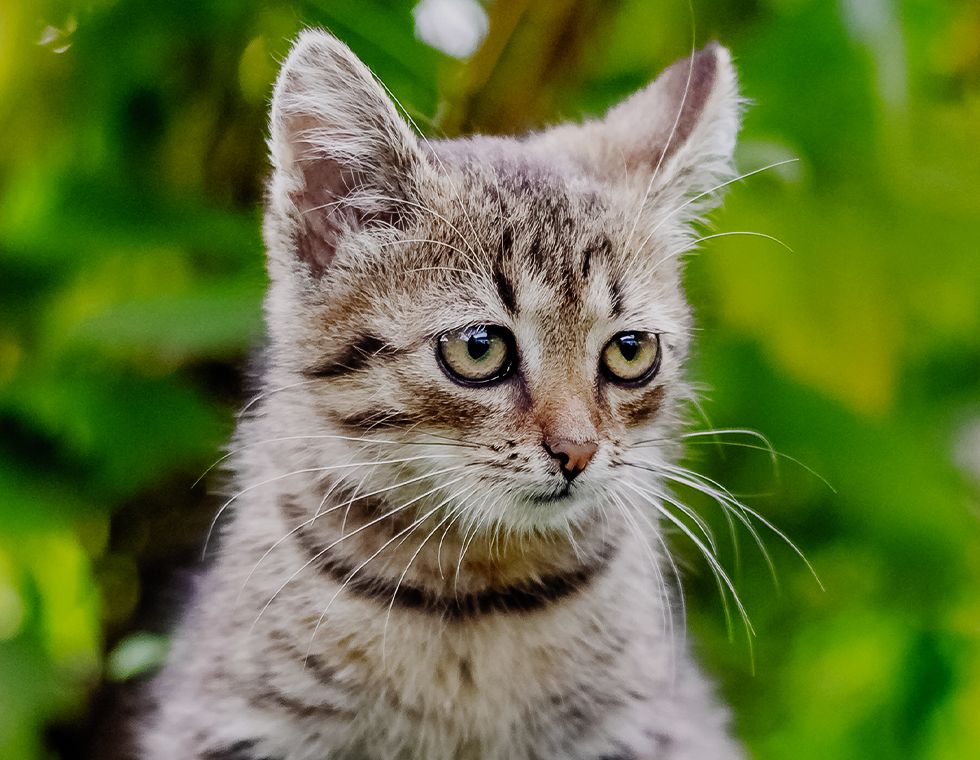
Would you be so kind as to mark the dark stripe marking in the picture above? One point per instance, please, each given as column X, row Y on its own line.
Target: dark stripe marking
column 355, row 357
column 600, row 249
column 240, row 750
column 506, row 241
column 526, row 596
column 276, row 700
column 644, row 406
column 377, row 419
column 505, row 290
column 616, row 296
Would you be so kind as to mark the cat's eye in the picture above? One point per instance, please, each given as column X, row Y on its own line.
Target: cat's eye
column 631, row 358
column 477, row 355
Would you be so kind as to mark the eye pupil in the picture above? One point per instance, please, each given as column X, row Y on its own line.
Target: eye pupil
column 629, row 347
column 478, row 345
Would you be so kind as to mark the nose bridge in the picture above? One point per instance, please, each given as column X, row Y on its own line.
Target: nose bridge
column 566, row 411
column 563, row 398
column 563, row 391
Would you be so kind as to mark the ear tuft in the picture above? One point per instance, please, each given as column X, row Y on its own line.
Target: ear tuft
column 343, row 159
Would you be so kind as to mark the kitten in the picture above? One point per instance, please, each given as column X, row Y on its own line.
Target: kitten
column 445, row 544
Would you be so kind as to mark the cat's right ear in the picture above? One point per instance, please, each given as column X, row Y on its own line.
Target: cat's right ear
column 343, row 160
column 676, row 136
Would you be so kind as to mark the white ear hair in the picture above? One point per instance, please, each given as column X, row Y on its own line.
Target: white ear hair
column 342, row 156
column 678, row 131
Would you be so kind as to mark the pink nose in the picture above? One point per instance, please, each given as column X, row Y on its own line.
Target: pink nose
column 572, row 455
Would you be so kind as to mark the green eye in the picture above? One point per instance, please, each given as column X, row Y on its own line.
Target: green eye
column 631, row 358
column 477, row 355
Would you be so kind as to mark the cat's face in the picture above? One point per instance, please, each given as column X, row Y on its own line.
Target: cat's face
column 505, row 315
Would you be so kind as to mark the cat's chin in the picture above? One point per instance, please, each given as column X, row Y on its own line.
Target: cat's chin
column 553, row 510
column 561, row 494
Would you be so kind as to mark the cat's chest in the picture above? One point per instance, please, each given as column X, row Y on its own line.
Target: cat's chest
column 413, row 678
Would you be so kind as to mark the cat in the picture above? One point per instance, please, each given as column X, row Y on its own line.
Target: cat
column 445, row 543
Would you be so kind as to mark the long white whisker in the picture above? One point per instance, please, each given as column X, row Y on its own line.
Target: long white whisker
column 711, row 559
column 778, row 454
column 721, row 494
column 666, row 611
column 366, row 525
column 284, row 438
column 459, row 513
column 673, row 130
column 673, row 566
column 384, row 546
column 708, row 192
column 263, row 394
column 745, row 233
column 694, row 516
column 729, row 506
column 306, row 470
column 391, row 604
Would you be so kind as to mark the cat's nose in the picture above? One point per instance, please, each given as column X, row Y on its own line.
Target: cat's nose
column 572, row 455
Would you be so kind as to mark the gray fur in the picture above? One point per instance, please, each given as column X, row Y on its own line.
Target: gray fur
column 481, row 620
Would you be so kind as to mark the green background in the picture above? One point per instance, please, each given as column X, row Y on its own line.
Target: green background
column 131, row 273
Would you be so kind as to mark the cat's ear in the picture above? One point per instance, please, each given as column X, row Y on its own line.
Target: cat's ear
column 678, row 132
column 343, row 160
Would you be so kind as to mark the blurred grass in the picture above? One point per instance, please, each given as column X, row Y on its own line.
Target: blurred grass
column 131, row 274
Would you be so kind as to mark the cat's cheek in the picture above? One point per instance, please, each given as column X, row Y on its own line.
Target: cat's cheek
column 643, row 406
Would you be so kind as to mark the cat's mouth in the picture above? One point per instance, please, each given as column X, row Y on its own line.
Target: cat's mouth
column 559, row 494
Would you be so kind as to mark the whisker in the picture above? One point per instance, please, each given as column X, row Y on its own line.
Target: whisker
column 459, row 513
column 409, row 529
column 306, row 470
column 673, row 566
column 778, row 454
column 729, row 506
column 654, row 565
column 698, row 520
column 747, row 233
column 666, row 612
column 471, row 532
column 688, row 247
column 720, row 573
column 316, row 557
column 709, row 191
column 284, row 438
column 353, row 573
column 722, row 494
column 391, row 604
column 264, row 394
column 673, row 130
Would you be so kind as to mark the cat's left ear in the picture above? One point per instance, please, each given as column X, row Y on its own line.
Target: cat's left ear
column 678, row 133
column 344, row 161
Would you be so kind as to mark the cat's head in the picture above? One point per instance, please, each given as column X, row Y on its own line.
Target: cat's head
column 505, row 314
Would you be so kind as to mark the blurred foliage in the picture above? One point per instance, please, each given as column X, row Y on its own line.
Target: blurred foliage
column 131, row 275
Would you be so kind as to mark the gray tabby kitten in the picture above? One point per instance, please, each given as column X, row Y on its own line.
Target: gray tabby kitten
column 446, row 543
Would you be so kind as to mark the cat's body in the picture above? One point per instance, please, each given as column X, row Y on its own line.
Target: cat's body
column 426, row 563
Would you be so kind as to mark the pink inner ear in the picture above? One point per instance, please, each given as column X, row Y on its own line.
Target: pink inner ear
column 322, row 212
column 336, row 200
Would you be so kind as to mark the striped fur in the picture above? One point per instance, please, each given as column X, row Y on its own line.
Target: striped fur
column 406, row 573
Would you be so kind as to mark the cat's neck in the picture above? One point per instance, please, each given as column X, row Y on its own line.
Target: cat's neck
column 436, row 561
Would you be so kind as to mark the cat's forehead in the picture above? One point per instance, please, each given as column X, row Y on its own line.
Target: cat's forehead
column 529, row 216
